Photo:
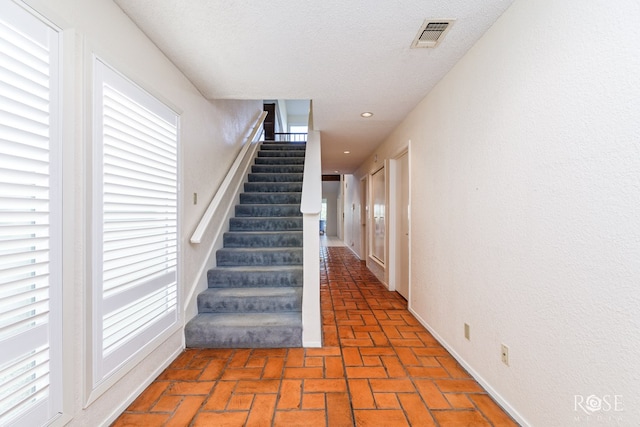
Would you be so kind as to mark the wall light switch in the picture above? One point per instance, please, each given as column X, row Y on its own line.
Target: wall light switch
column 504, row 354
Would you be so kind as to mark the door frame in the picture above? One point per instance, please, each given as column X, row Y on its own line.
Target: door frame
column 394, row 212
column 363, row 221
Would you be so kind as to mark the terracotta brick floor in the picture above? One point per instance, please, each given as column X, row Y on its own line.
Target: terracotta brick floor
column 378, row 367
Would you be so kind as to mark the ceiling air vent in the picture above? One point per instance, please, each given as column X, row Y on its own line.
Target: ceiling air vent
column 432, row 32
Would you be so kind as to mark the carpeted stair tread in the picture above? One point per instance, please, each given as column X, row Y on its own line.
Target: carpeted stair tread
column 277, row 168
column 250, row 300
column 243, row 330
column 275, row 177
column 267, row 210
column 259, row 224
column 286, row 147
column 255, row 276
column 279, row 161
column 258, row 256
column 280, row 153
column 254, row 239
column 273, row 187
column 268, row 198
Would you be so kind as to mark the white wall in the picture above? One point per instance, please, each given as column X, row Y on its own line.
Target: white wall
column 526, row 209
column 298, row 120
column 211, row 135
column 284, row 115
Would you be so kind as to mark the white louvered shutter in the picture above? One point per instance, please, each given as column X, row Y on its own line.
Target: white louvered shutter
column 136, row 214
column 30, row 218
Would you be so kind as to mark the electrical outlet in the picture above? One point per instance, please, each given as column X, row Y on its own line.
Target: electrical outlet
column 467, row 332
column 504, row 354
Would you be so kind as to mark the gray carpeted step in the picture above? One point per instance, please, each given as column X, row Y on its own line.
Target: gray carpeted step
column 258, row 256
column 280, row 153
column 242, row 330
column 279, row 161
column 277, row 168
column 264, row 210
column 260, row 224
column 275, row 198
column 250, row 300
column 255, row 276
column 275, row 177
column 273, row 187
column 285, row 147
column 262, row 239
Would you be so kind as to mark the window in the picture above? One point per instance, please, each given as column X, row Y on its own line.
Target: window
column 30, row 220
column 136, row 220
column 323, row 217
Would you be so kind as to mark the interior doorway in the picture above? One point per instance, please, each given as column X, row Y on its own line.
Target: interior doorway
column 364, row 213
column 323, row 217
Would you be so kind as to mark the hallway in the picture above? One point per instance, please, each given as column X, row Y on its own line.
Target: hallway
column 378, row 367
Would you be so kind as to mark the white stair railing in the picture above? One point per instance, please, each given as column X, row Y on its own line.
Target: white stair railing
column 310, row 206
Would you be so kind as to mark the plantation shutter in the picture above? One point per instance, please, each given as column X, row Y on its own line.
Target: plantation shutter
column 30, row 230
column 137, row 226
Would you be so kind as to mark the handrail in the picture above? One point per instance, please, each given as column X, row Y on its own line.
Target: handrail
column 196, row 237
column 312, row 182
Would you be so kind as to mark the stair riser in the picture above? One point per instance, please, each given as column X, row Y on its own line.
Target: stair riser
column 213, row 304
column 267, row 210
column 275, row 177
column 277, row 169
column 270, row 198
column 226, row 278
column 264, row 240
column 286, row 147
column 272, row 187
column 280, row 153
column 253, row 337
column 257, row 257
column 279, row 161
column 259, row 224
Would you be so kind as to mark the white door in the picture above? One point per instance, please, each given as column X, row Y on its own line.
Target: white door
column 402, row 240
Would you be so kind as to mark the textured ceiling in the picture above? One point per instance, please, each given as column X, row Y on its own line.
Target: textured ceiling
column 347, row 56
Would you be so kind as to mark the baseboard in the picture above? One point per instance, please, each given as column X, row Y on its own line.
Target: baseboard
column 492, row 392
column 354, row 252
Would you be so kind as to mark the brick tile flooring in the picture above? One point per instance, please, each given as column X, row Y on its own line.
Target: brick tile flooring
column 378, row 367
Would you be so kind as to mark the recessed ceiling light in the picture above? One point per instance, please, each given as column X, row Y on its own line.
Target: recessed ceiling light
column 347, row 152
column 366, row 114
column 337, row 171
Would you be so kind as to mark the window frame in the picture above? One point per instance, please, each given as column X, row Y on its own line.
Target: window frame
column 99, row 380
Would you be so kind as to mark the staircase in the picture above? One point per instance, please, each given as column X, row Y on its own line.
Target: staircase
column 254, row 297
